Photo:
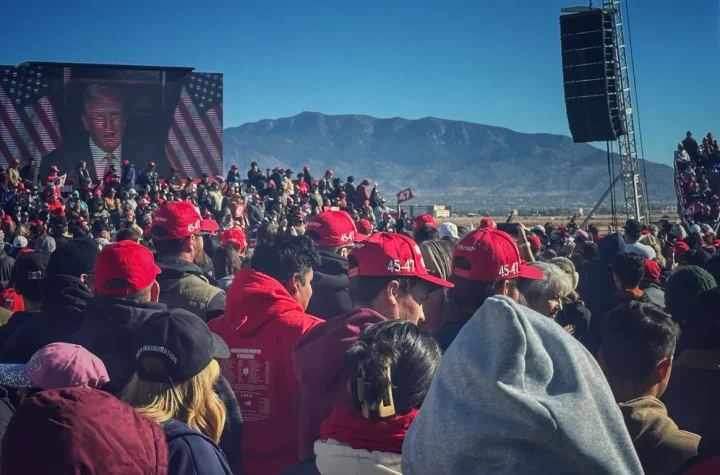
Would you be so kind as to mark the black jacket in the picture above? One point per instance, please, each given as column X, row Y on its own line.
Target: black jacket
column 192, row 453
column 577, row 315
column 256, row 179
column 17, row 320
column 330, row 296
column 61, row 313
column 231, row 438
column 7, row 264
column 350, row 193
column 128, row 176
column 691, row 146
column 31, row 174
column 108, row 331
column 255, row 215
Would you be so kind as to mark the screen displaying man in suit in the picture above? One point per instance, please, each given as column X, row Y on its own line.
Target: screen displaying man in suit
column 104, row 119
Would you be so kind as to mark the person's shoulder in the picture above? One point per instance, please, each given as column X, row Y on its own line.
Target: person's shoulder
column 300, row 321
column 188, row 449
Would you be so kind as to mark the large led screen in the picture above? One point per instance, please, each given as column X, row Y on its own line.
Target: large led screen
column 59, row 114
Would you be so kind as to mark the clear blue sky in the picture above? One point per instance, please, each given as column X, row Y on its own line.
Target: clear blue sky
column 496, row 63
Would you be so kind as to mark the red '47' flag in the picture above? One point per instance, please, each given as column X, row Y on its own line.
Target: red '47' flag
column 404, row 195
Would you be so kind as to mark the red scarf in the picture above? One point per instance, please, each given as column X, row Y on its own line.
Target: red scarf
column 349, row 427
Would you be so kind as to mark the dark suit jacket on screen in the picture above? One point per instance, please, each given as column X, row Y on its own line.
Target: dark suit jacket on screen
column 66, row 159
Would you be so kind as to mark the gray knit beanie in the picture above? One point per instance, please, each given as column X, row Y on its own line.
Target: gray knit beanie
column 568, row 267
column 682, row 290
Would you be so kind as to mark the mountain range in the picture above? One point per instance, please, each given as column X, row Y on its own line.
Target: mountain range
column 440, row 159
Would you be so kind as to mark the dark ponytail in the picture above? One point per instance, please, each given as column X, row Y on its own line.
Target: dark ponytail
column 409, row 352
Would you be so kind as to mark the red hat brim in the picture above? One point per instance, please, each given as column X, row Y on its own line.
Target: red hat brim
column 359, row 237
column 530, row 272
column 208, row 225
column 437, row 281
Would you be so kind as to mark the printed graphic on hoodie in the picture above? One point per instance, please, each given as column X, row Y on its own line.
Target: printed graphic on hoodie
column 249, row 377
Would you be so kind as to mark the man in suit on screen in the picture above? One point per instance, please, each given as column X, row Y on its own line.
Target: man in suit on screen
column 104, row 119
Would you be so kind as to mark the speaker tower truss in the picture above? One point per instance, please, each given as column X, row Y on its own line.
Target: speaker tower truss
column 635, row 193
column 617, row 71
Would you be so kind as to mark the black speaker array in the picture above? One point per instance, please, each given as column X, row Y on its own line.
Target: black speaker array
column 591, row 76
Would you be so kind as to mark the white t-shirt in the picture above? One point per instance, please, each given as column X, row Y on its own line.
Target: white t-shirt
column 646, row 252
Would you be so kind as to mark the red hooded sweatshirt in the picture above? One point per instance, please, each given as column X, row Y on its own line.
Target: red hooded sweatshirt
column 261, row 324
column 319, row 362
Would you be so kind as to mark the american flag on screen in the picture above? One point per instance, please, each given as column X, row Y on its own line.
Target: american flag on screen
column 28, row 125
column 195, row 140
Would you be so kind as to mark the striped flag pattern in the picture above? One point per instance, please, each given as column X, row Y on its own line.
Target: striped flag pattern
column 28, row 124
column 194, row 144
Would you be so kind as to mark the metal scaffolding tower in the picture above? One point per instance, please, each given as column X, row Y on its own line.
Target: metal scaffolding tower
column 635, row 193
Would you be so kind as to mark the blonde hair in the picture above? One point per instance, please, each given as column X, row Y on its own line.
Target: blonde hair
column 193, row 401
column 650, row 240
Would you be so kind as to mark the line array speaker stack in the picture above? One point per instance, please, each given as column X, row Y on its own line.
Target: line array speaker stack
column 591, row 76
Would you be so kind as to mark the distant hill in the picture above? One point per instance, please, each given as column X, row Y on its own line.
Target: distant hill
column 436, row 157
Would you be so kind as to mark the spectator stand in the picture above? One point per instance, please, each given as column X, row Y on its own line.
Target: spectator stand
column 697, row 184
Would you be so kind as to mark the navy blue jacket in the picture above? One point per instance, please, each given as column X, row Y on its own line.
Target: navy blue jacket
column 191, row 453
column 128, row 176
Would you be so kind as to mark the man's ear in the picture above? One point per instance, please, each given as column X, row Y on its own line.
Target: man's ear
column 392, row 290
column 189, row 245
column 293, row 284
column 502, row 288
column 89, row 281
column 663, row 368
column 344, row 252
column 155, row 292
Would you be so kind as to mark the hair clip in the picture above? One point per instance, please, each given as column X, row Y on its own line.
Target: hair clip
column 386, row 406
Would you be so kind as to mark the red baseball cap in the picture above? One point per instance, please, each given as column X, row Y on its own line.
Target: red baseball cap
column 493, row 256
column 652, row 271
column 680, row 247
column 533, row 239
column 391, row 255
column 487, row 223
column 234, row 235
column 151, row 164
column 178, row 220
column 424, row 220
column 336, row 228
column 127, row 261
column 364, row 226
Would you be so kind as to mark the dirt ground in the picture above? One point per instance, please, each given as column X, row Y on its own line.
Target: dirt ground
column 601, row 221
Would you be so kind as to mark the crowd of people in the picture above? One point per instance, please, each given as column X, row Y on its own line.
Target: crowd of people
column 282, row 324
column 697, row 178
